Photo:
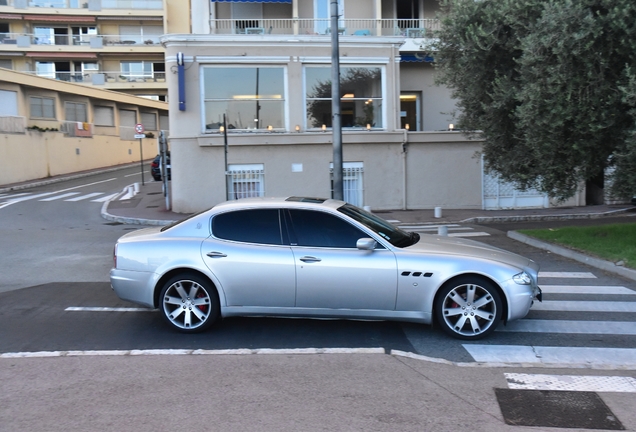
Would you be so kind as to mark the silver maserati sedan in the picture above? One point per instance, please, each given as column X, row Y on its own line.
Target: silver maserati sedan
column 314, row 257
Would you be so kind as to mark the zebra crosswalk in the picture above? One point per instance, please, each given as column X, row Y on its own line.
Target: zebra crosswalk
column 97, row 197
column 598, row 310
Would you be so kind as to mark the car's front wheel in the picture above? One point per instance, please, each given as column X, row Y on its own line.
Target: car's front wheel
column 189, row 303
column 468, row 308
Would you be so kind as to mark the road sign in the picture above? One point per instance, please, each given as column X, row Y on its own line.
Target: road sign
column 139, row 128
column 137, row 136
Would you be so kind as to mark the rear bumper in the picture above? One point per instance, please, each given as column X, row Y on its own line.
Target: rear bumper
column 134, row 286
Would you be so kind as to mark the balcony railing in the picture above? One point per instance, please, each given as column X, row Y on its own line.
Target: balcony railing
column 115, row 40
column 77, row 129
column 409, row 28
column 12, row 124
column 123, row 77
column 85, row 4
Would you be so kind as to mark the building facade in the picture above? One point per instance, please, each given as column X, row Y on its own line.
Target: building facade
column 108, row 44
column 48, row 128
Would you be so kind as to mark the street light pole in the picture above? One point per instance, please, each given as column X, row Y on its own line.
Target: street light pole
column 336, row 122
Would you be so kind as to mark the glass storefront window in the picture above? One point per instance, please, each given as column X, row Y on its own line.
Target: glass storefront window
column 252, row 98
column 361, row 96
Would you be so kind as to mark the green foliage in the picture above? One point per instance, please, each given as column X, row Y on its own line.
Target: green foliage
column 40, row 129
column 548, row 85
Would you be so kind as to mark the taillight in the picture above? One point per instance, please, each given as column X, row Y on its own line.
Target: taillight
column 154, row 164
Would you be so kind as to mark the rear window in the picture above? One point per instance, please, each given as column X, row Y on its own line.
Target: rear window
column 249, row 226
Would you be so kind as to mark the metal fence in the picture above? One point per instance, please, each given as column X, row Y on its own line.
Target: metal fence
column 245, row 184
column 352, row 185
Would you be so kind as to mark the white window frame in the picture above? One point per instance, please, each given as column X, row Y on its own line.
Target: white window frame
column 251, row 65
column 41, row 99
column 382, row 98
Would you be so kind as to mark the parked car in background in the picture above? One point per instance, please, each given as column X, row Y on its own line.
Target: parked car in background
column 155, row 167
column 318, row 258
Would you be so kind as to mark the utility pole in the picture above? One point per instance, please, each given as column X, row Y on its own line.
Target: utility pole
column 336, row 122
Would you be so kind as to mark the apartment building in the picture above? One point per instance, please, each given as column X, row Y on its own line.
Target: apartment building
column 109, row 44
column 265, row 66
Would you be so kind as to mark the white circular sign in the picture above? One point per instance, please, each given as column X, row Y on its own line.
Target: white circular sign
column 139, row 128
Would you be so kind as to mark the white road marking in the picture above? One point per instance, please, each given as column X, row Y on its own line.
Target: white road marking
column 30, row 197
column 244, row 351
column 615, row 357
column 393, row 221
column 573, row 289
column 585, row 306
column 137, row 174
column 613, row 384
column 574, row 327
column 105, row 198
column 469, row 234
column 15, row 195
column 107, row 309
column 575, row 275
column 83, row 197
column 57, row 197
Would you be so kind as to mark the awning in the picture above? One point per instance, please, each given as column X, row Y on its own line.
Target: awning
column 416, row 58
column 69, row 55
column 60, row 18
column 252, row 1
column 129, row 18
column 10, row 17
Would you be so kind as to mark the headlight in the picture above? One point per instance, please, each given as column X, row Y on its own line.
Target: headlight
column 522, row 278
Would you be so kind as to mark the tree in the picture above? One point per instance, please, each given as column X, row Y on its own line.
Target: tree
column 549, row 85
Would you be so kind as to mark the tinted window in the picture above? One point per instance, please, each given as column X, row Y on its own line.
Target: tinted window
column 250, row 226
column 314, row 228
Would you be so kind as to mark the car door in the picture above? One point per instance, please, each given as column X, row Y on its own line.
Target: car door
column 331, row 272
column 249, row 256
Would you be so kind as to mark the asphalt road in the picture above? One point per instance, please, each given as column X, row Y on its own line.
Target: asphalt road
column 62, row 252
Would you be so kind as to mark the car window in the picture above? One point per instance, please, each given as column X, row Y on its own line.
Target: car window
column 250, row 226
column 383, row 228
column 320, row 229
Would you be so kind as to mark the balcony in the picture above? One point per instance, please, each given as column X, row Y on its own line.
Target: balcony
column 93, row 5
column 26, row 40
column 405, row 28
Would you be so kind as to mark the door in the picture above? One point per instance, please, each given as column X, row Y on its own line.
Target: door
column 331, row 272
column 249, row 256
column 410, row 111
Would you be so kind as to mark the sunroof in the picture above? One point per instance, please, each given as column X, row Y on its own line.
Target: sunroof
column 307, row 200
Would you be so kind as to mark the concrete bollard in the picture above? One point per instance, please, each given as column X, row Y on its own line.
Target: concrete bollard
column 136, row 187
column 438, row 212
column 442, row 230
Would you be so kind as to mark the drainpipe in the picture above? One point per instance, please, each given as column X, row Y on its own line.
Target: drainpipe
column 404, row 152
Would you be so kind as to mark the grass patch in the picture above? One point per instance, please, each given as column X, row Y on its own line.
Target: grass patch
column 616, row 242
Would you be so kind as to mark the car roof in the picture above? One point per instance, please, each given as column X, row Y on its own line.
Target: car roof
column 288, row 202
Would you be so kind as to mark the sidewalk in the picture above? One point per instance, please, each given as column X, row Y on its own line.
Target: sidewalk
column 148, row 207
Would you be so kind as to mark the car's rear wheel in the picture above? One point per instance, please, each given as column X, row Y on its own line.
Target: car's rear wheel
column 468, row 308
column 189, row 303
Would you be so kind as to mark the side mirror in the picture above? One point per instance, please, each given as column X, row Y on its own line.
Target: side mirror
column 366, row 244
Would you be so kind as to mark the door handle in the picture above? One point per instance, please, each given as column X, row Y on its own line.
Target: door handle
column 216, row 254
column 310, row 259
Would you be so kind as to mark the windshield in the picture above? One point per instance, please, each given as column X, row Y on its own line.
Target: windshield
column 384, row 229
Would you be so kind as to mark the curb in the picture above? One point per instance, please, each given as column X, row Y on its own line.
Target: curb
column 129, row 220
column 60, row 179
column 607, row 266
column 530, row 218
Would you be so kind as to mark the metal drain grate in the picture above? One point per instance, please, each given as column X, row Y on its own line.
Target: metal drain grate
column 558, row 409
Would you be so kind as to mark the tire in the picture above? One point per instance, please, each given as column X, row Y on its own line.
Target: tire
column 468, row 308
column 189, row 303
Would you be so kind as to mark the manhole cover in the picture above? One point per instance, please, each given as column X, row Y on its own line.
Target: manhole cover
column 560, row 409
